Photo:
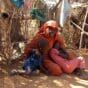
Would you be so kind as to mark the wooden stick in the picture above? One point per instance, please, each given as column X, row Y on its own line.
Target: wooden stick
column 81, row 38
column 56, row 5
column 76, row 25
column 85, row 33
column 80, row 5
column 79, row 27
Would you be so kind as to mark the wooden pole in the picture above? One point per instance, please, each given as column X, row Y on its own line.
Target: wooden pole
column 81, row 38
column 56, row 5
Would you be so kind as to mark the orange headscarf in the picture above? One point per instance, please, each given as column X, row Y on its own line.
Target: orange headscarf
column 57, row 37
column 50, row 23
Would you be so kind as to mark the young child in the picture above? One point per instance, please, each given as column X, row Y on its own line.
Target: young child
column 31, row 64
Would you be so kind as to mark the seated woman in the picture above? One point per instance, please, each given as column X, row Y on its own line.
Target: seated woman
column 53, row 62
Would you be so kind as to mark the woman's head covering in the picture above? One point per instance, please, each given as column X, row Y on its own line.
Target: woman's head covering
column 50, row 23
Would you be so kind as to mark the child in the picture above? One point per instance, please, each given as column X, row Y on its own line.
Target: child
column 30, row 65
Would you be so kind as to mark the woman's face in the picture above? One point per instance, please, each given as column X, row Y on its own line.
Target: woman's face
column 51, row 31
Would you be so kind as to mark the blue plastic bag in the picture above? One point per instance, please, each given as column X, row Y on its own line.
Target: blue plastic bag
column 17, row 3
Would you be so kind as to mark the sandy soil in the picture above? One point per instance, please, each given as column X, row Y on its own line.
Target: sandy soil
column 41, row 80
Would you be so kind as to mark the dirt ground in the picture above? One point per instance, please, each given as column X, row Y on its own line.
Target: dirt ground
column 41, row 80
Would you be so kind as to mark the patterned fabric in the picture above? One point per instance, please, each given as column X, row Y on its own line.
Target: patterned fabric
column 32, row 62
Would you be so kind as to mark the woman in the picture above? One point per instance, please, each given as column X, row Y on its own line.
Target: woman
column 49, row 32
column 53, row 62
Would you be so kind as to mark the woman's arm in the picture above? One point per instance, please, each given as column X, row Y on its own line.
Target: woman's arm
column 30, row 46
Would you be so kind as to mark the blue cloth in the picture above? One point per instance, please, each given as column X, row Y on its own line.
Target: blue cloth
column 17, row 3
column 32, row 62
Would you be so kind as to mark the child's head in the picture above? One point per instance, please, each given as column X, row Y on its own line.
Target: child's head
column 43, row 45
